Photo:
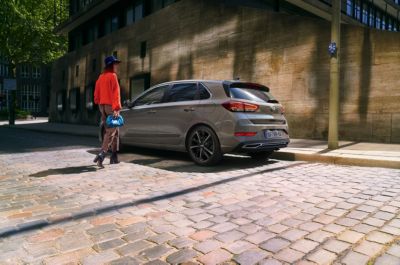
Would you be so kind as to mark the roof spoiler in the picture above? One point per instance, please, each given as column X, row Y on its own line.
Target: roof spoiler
column 229, row 84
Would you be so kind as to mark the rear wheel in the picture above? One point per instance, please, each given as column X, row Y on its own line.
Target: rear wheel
column 203, row 146
column 264, row 155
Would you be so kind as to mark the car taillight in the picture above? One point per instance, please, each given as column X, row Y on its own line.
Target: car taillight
column 238, row 106
column 245, row 133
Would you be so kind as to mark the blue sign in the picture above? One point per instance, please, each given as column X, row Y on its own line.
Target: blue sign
column 10, row 84
column 332, row 49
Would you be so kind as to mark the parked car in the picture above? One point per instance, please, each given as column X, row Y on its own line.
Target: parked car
column 207, row 119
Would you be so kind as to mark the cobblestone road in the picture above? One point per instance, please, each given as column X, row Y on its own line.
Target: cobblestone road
column 56, row 208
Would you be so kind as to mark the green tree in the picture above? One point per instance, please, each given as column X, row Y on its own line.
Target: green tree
column 27, row 32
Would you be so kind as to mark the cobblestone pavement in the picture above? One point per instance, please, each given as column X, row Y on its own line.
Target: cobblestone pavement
column 56, row 208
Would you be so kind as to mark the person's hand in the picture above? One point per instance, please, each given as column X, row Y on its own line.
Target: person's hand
column 116, row 113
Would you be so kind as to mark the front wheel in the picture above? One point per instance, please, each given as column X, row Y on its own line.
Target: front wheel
column 264, row 155
column 203, row 146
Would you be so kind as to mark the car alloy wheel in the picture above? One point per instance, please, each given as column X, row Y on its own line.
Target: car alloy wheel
column 203, row 146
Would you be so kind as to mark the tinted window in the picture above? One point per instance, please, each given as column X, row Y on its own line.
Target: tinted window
column 152, row 97
column 203, row 92
column 252, row 94
column 182, row 92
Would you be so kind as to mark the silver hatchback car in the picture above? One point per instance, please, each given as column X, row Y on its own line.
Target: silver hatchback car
column 207, row 119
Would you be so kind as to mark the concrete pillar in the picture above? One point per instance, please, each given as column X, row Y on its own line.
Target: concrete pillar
column 333, row 138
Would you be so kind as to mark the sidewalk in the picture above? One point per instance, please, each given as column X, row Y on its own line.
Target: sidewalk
column 42, row 125
column 349, row 153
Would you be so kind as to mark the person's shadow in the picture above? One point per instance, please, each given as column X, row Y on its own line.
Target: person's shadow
column 62, row 171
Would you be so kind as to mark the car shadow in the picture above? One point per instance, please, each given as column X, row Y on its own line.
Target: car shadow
column 64, row 171
column 181, row 162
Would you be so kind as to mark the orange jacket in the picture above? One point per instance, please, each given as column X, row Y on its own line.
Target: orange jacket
column 107, row 91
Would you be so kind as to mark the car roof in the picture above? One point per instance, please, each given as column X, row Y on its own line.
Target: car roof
column 227, row 82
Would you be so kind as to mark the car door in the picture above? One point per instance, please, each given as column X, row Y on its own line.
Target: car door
column 141, row 126
column 176, row 114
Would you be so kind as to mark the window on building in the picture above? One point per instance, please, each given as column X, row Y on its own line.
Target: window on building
column 74, row 99
column 130, row 16
column 378, row 20
column 372, row 17
column 349, row 7
column 365, row 17
column 36, row 72
column 383, row 22
column 139, row 10
column 77, row 70
column 138, row 84
column 60, row 100
column 114, row 23
column 25, row 71
column 357, row 5
column 107, row 26
column 30, row 97
column 390, row 24
column 63, row 75
column 92, row 33
column 77, row 40
column 89, row 97
column 143, row 49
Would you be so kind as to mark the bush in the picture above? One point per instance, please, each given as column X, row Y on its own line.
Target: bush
column 19, row 114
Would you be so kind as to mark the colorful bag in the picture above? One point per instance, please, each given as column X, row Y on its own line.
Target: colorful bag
column 113, row 122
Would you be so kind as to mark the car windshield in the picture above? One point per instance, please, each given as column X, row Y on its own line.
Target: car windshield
column 253, row 94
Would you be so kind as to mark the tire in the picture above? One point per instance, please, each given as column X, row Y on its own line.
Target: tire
column 264, row 155
column 203, row 146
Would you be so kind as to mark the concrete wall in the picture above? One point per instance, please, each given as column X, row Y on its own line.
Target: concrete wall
column 206, row 40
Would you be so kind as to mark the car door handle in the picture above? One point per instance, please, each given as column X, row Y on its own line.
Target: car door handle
column 151, row 111
column 188, row 109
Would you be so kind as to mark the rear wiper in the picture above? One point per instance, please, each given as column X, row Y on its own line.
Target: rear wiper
column 273, row 101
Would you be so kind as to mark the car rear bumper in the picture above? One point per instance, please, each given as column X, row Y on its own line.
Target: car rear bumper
column 264, row 145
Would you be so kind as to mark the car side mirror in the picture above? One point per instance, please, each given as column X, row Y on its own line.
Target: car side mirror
column 128, row 103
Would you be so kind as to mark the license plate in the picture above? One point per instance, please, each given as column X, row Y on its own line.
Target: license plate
column 271, row 134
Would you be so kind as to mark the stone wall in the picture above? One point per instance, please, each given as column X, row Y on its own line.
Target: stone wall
column 202, row 39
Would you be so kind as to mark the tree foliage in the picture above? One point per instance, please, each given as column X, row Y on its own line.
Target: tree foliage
column 27, row 31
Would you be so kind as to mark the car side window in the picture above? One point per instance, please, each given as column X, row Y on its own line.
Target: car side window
column 182, row 92
column 203, row 92
column 154, row 96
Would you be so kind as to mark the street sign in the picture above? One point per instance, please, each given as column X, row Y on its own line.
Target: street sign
column 10, row 84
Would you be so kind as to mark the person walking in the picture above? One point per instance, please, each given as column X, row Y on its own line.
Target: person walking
column 107, row 97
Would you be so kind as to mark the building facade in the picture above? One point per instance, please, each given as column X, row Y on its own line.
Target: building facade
column 33, row 87
column 282, row 44
column 4, row 73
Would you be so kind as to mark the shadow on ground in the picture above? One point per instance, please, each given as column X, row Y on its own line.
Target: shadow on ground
column 64, row 171
column 181, row 162
column 21, row 141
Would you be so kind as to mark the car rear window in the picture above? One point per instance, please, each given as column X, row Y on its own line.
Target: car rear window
column 253, row 94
